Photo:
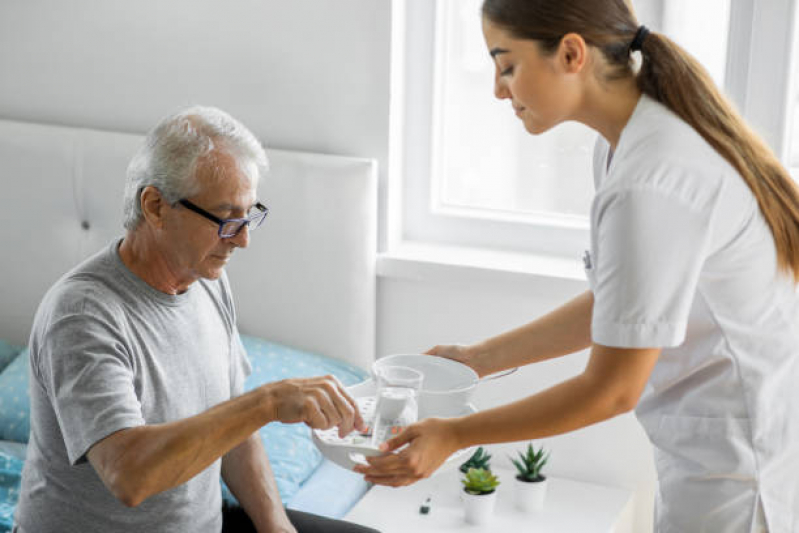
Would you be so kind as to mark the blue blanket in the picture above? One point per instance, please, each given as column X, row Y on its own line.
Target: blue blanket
column 10, row 475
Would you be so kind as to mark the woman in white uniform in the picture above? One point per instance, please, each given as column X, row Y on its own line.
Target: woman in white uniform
column 692, row 315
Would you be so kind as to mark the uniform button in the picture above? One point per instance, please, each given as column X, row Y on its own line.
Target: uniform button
column 84, row 225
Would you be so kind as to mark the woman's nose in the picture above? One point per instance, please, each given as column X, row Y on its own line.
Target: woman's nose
column 501, row 91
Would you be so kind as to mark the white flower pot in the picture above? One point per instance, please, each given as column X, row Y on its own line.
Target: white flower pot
column 478, row 508
column 529, row 495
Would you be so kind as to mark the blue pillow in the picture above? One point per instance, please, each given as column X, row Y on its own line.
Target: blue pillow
column 292, row 453
column 15, row 411
column 7, row 353
column 10, row 477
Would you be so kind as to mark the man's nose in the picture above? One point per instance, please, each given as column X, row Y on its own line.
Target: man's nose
column 242, row 238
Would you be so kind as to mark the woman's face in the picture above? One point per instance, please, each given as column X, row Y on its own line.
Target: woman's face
column 543, row 89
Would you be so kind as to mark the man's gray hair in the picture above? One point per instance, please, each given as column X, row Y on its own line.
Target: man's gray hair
column 168, row 159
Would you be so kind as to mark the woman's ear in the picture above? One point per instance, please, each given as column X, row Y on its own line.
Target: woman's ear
column 572, row 53
column 152, row 206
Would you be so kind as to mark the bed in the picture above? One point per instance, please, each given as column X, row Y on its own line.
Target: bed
column 304, row 289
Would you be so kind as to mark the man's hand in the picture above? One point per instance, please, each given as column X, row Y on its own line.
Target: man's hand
column 320, row 402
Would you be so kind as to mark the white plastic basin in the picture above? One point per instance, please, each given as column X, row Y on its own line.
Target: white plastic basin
column 447, row 387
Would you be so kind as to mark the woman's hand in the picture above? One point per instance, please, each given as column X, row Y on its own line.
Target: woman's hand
column 429, row 443
column 468, row 355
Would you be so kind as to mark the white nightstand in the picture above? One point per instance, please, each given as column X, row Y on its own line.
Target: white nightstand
column 571, row 506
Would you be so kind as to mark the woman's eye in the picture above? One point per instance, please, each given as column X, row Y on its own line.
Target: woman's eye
column 506, row 72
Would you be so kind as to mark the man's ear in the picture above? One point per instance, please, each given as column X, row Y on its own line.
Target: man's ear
column 573, row 53
column 152, row 206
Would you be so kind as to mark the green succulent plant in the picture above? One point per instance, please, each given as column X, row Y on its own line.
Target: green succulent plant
column 530, row 464
column 479, row 459
column 479, row 481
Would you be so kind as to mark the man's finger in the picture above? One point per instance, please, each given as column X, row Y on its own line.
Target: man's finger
column 328, row 407
column 314, row 415
column 340, row 402
column 357, row 420
column 347, row 411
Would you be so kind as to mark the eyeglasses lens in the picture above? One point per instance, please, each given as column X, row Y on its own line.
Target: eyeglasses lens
column 233, row 228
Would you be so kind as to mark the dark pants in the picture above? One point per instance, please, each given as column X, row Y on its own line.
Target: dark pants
column 235, row 520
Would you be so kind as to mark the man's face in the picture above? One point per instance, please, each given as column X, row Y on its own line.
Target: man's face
column 191, row 242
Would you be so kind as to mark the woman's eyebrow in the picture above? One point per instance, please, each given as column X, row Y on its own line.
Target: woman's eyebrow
column 497, row 51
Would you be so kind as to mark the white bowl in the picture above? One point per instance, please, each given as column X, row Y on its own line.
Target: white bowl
column 447, row 387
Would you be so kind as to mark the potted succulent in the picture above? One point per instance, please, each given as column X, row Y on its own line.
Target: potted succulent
column 479, row 459
column 531, row 484
column 480, row 496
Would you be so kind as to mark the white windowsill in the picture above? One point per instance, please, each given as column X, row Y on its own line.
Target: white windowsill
column 429, row 262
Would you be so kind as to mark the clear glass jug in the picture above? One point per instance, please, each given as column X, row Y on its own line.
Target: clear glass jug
column 396, row 402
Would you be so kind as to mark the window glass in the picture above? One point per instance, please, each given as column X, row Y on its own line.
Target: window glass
column 486, row 163
column 702, row 29
column 793, row 107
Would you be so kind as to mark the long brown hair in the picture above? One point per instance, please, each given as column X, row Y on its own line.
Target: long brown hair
column 671, row 76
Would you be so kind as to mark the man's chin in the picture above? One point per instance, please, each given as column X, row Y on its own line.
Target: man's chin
column 213, row 273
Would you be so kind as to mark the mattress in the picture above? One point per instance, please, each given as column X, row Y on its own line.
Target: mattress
column 331, row 491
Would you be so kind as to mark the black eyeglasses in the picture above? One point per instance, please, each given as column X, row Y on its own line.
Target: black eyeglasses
column 230, row 227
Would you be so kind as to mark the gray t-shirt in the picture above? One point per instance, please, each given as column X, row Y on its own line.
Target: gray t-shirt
column 110, row 352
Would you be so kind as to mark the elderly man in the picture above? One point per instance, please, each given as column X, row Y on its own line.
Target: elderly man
column 137, row 366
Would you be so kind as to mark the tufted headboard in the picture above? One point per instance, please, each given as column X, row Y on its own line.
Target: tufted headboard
column 306, row 280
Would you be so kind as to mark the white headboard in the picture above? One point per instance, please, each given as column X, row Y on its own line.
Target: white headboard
column 306, row 280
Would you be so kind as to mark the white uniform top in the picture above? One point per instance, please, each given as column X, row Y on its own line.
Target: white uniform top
column 683, row 260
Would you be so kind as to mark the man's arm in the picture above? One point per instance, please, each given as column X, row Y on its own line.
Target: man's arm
column 139, row 462
column 248, row 475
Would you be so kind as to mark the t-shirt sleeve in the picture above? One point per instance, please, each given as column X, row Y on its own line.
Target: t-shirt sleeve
column 89, row 380
column 648, row 251
column 240, row 367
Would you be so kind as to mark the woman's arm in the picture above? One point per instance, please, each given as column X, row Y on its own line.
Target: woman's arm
column 610, row 385
column 565, row 330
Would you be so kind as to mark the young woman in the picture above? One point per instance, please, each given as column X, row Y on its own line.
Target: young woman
column 692, row 316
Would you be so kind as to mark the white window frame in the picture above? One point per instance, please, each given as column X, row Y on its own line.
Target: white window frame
column 760, row 46
column 759, row 60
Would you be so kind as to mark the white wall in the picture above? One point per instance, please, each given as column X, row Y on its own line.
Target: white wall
column 415, row 314
column 302, row 74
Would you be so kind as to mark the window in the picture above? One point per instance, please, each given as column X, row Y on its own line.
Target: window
column 472, row 175
column 792, row 144
column 483, row 159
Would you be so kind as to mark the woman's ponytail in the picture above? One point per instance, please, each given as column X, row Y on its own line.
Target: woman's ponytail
column 671, row 76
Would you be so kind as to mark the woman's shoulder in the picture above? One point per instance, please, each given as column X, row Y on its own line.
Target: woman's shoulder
column 662, row 153
column 655, row 134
